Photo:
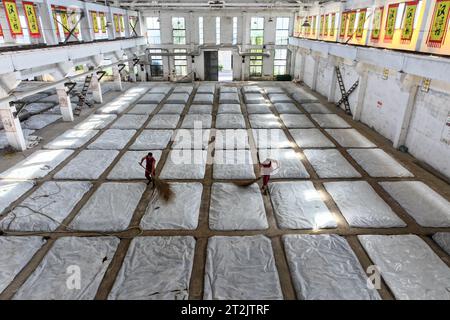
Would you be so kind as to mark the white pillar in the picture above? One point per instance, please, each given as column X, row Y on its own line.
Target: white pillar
column 332, row 89
column 132, row 71
column 315, row 73
column 117, row 78
column 65, row 104
column 142, row 73
column 96, row 88
column 13, row 130
column 301, row 74
column 362, row 86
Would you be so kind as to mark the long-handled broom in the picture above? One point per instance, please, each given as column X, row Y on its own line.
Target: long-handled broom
column 162, row 187
column 250, row 182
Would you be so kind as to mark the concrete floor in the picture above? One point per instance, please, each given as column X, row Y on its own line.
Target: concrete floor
column 283, row 277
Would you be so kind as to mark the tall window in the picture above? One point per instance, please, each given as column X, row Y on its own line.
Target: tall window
column 217, row 30
column 256, row 63
column 180, row 63
column 178, row 30
column 200, row 30
column 235, row 30
column 156, row 64
column 280, row 61
column 153, row 30
column 282, row 31
column 257, row 31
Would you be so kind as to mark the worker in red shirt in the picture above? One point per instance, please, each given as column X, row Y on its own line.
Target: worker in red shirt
column 268, row 167
column 150, row 166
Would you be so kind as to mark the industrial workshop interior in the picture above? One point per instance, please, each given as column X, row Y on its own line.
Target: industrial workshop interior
column 251, row 151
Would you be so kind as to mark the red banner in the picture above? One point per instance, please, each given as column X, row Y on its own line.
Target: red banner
column 12, row 15
column 1, row 31
column 32, row 19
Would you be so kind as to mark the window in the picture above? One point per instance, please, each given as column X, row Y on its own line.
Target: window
column 279, row 65
column 235, row 30
column 156, row 64
column 200, row 30
column 257, row 31
column 178, row 30
column 282, row 31
column 217, row 30
column 153, row 30
column 256, row 63
column 180, row 63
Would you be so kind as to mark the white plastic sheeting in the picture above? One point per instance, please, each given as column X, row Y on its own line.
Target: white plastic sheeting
column 350, row 138
column 152, row 98
column 331, row 164
column 298, row 205
column 164, row 121
column 89, row 165
column 152, row 140
column 233, row 164
column 28, row 135
column 311, row 138
column 172, row 109
column 286, row 107
column 228, row 89
column 110, row 208
column 181, row 212
column 443, row 240
column 40, row 121
column 324, row 267
column 264, row 121
column 254, row 98
column 204, row 88
column 260, row 108
column 200, row 109
column 47, row 207
column 181, row 98
column 185, row 164
column 301, row 95
column 155, row 268
column 290, row 163
column 127, row 167
column 297, row 121
column 161, row 89
column 410, row 268
column 236, row 208
column 230, row 108
column 143, row 109
column 229, row 97
column 191, row 139
column 112, row 139
column 96, row 122
column 116, row 106
column 362, row 206
column 71, row 139
column 251, row 89
column 183, row 89
column 315, row 108
column 271, row 139
column 37, row 165
column 15, row 252
column 203, row 98
column 10, row 191
column 277, row 98
column 378, row 163
column 192, row 121
column 272, row 90
column 425, row 205
column 330, row 121
column 130, row 121
column 241, row 268
column 231, row 139
column 230, row 121
column 49, row 280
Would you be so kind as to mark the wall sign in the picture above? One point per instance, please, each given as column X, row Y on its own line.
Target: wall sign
column 64, row 20
column 351, row 23
column 95, row 22
column 408, row 21
column 12, row 15
column 122, row 23
column 376, row 23
column 390, row 22
column 333, row 24
column 361, row 22
column 116, row 23
column 32, row 20
column 439, row 24
column 103, row 21
column 343, row 25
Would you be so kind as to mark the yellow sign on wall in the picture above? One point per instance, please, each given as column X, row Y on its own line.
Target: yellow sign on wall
column 390, row 21
column 65, row 21
column 361, row 22
column 95, row 22
column 32, row 20
column 343, row 25
column 74, row 22
column 333, row 24
column 326, row 27
column 103, row 21
column 116, row 23
column 12, row 16
column 122, row 23
column 351, row 23
column 376, row 23
column 439, row 23
column 408, row 22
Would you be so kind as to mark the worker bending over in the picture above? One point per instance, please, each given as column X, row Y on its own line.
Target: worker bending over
column 268, row 167
column 150, row 167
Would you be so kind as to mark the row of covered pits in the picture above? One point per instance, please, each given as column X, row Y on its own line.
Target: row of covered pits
column 338, row 197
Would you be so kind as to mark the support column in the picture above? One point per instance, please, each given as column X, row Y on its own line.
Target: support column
column 48, row 24
column 65, row 104
column 332, row 89
column 315, row 73
column 363, row 77
column 117, row 78
column 13, row 129
column 301, row 74
column 96, row 88
column 142, row 73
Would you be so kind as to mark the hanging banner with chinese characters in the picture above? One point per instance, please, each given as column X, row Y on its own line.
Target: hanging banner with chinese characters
column 408, row 21
column 94, row 16
column 326, row 31
column 351, row 24
column 314, row 26
column 439, row 24
column 55, row 20
column 32, row 20
column 343, row 25
column 361, row 22
column 103, row 21
column 64, row 20
column 333, row 24
column 390, row 22
column 122, row 23
column 321, row 25
column 308, row 29
column 12, row 15
column 376, row 23
column 116, row 23
column 74, row 23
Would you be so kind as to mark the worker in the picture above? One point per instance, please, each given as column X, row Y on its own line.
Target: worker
column 268, row 167
column 150, row 166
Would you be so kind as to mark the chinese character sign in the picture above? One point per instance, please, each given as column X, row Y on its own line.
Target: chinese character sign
column 326, row 26
column 32, row 20
column 12, row 16
column 376, row 23
column 439, row 23
column 333, row 24
column 116, row 23
column 64, row 20
column 95, row 22
column 351, row 23
column 390, row 21
column 122, row 23
column 74, row 23
column 103, row 21
column 343, row 25
column 361, row 22
column 408, row 21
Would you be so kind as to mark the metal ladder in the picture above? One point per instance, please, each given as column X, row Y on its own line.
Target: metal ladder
column 345, row 93
column 82, row 95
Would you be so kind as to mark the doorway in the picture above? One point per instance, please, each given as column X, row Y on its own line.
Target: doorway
column 225, row 65
column 211, row 65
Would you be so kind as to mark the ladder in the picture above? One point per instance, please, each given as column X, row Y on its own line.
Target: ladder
column 345, row 93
